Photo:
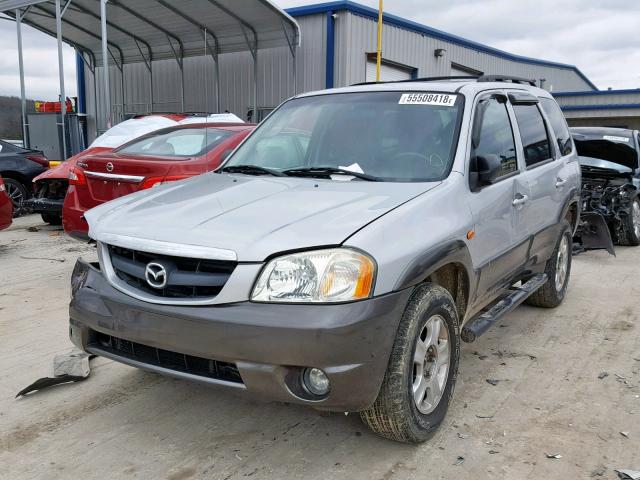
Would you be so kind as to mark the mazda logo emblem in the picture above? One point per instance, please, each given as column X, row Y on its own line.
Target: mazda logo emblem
column 109, row 167
column 156, row 275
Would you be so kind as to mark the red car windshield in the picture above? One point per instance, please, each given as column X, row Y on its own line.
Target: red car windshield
column 183, row 142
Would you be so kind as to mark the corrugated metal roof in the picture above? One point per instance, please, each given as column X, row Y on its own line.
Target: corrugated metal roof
column 138, row 30
column 429, row 31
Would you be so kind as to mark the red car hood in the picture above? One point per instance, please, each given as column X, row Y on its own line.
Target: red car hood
column 61, row 172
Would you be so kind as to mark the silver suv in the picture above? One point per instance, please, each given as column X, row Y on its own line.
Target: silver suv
column 343, row 251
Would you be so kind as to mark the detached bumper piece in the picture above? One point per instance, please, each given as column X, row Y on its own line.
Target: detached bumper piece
column 593, row 234
column 125, row 349
column 481, row 323
column 44, row 205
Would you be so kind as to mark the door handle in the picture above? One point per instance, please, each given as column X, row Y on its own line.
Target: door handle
column 520, row 200
column 560, row 183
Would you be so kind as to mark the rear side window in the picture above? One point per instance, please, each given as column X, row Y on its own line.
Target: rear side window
column 496, row 136
column 533, row 132
column 558, row 123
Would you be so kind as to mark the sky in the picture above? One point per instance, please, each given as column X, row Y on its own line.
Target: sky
column 599, row 37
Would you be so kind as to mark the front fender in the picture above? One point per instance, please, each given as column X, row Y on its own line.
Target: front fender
column 453, row 251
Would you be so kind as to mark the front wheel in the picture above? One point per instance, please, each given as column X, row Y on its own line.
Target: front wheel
column 422, row 370
column 630, row 228
column 558, row 269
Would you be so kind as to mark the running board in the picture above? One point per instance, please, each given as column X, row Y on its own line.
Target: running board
column 481, row 323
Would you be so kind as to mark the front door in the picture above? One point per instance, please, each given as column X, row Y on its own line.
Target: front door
column 496, row 208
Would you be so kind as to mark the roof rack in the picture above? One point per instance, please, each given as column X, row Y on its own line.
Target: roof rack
column 506, row 78
column 423, row 79
column 477, row 78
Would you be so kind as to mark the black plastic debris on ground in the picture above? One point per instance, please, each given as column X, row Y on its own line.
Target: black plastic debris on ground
column 67, row 368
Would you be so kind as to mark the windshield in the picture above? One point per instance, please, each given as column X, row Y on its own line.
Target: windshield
column 184, row 142
column 390, row 136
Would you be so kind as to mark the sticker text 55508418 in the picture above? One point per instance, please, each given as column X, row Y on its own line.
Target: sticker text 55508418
column 444, row 99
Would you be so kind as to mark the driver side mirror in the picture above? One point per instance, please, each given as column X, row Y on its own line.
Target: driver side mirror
column 487, row 170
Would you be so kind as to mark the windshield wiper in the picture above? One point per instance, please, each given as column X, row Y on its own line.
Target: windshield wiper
column 328, row 171
column 251, row 170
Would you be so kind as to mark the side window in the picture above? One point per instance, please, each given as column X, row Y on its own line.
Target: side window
column 533, row 132
column 558, row 123
column 495, row 136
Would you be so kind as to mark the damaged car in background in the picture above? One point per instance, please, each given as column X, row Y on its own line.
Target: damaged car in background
column 610, row 165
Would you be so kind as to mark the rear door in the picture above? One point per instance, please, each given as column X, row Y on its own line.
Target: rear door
column 496, row 208
column 544, row 172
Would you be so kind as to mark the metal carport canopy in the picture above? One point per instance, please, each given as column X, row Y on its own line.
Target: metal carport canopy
column 141, row 31
column 138, row 28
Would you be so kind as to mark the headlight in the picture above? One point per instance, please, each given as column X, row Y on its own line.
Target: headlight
column 320, row 276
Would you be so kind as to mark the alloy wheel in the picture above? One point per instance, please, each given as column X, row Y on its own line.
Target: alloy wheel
column 431, row 364
column 562, row 263
column 635, row 218
column 15, row 193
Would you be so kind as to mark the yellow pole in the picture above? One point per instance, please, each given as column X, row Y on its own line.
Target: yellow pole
column 379, row 57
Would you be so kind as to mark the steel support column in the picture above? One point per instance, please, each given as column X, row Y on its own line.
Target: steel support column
column 217, row 75
column 63, row 94
column 292, row 49
column 105, row 60
column 23, row 99
column 255, row 84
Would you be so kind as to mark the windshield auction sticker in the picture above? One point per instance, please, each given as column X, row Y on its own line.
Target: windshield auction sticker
column 614, row 138
column 443, row 99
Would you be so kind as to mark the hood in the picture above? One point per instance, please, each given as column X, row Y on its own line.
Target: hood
column 61, row 172
column 255, row 217
column 597, row 168
column 618, row 149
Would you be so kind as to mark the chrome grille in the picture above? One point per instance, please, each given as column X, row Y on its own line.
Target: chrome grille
column 187, row 278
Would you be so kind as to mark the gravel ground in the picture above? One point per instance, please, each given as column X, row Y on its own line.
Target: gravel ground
column 126, row 423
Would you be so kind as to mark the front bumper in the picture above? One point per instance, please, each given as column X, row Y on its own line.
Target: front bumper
column 270, row 344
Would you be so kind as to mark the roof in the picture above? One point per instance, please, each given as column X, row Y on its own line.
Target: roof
column 453, row 86
column 140, row 30
column 236, row 127
column 426, row 30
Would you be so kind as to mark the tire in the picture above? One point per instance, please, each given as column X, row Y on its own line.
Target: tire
column 17, row 192
column 552, row 293
column 395, row 413
column 51, row 218
column 630, row 226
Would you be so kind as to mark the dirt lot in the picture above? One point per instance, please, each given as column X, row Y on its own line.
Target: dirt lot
column 126, row 423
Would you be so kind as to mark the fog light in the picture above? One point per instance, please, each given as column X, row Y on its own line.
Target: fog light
column 316, row 381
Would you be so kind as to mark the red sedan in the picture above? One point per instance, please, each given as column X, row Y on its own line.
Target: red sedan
column 166, row 155
column 6, row 207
